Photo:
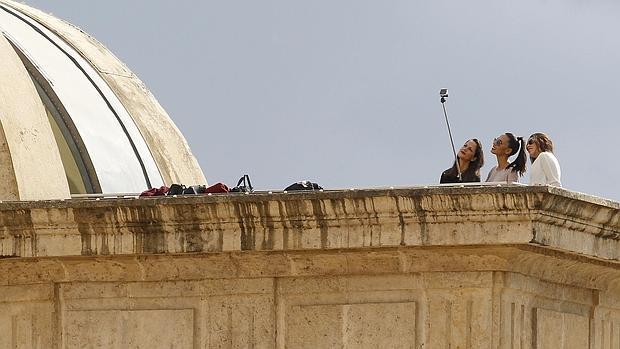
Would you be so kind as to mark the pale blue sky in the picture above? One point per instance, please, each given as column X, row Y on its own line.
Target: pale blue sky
column 345, row 92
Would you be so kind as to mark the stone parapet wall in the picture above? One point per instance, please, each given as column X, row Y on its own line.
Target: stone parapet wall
column 479, row 267
column 442, row 216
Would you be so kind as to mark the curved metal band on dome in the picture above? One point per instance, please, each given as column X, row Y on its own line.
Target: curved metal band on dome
column 144, row 158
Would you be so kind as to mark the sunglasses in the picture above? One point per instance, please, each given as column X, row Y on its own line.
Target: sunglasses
column 497, row 142
column 530, row 141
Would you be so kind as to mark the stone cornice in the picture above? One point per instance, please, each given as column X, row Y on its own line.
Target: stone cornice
column 535, row 261
column 434, row 216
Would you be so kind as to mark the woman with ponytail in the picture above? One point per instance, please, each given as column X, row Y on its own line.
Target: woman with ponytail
column 504, row 147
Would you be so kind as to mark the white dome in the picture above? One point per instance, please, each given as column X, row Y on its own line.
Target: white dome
column 73, row 110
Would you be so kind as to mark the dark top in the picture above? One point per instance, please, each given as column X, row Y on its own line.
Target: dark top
column 450, row 176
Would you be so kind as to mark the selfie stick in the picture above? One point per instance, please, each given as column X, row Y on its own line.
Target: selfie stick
column 444, row 94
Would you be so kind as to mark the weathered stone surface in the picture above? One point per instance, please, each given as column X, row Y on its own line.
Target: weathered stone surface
column 130, row 329
column 561, row 330
column 442, row 267
column 326, row 220
column 26, row 137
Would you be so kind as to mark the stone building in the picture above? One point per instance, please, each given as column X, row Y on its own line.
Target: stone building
column 430, row 267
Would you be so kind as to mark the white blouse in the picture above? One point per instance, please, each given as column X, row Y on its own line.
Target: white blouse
column 545, row 170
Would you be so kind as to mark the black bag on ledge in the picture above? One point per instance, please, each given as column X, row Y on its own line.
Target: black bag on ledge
column 176, row 189
column 303, row 185
column 194, row 189
column 243, row 186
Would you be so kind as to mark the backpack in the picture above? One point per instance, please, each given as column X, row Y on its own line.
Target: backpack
column 176, row 189
column 245, row 188
column 194, row 189
column 303, row 185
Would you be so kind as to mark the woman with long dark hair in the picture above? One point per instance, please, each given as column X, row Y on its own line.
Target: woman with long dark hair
column 545, row 166
column 471, row 159
column 503, row 148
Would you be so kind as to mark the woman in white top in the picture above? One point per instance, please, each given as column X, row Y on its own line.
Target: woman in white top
column 504, row 147
column 545, row 166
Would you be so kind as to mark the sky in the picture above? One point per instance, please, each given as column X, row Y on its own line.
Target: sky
column 345, row 92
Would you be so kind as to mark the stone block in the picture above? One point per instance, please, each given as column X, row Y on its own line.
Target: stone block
column 352, row 325
column 557, row 330
column 148, row 329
